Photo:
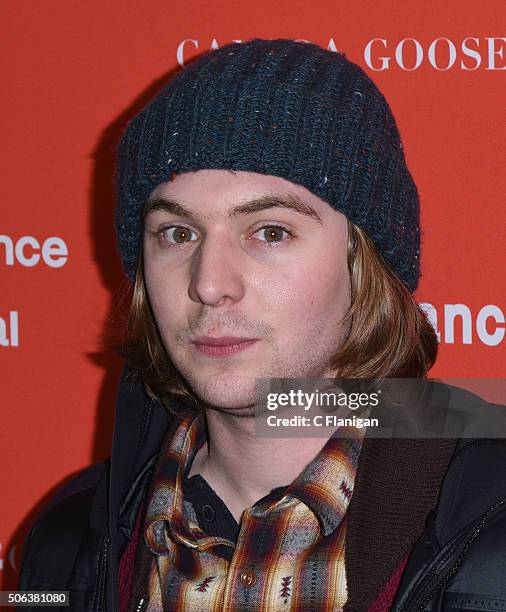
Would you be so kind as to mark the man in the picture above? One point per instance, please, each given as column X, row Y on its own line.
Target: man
column 270, row 226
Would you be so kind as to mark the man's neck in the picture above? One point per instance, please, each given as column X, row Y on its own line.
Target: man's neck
column 242, row 467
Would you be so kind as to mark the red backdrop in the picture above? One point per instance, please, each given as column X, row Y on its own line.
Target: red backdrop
column 74, row 72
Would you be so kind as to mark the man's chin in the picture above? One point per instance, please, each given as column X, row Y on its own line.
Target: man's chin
column 231, row 397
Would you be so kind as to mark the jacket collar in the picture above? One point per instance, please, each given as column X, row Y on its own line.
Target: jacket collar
column 140, row 426
column 400, row 481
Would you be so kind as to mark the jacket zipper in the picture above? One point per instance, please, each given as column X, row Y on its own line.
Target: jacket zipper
column 102, row 576
column 422, row 595
column 146, row 417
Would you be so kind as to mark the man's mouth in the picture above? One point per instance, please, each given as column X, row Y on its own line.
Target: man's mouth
column 221, row 346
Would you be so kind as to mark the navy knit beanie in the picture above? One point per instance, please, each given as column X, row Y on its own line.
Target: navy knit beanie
column 284, row 108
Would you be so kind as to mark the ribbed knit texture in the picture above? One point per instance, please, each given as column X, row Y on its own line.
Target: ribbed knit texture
column 397, row 485
column 383, row 602
column 283, row 108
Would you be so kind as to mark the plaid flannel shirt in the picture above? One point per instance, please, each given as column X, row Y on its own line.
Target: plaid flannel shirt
column 289, row 554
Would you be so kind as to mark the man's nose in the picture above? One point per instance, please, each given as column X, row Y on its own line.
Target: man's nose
column 216, row 272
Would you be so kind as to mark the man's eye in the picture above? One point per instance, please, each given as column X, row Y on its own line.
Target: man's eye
column 272, row 233
column 176, row 234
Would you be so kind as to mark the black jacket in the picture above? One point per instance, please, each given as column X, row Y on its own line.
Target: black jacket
column 458, row 563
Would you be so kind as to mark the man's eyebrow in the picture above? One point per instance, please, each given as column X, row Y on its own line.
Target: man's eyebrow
column 291, row 202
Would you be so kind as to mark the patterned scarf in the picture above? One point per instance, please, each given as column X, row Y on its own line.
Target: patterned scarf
column 290, row 553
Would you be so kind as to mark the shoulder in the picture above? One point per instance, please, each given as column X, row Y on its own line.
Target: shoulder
column 460, row 558
column 474, row 482
column 471, row 518
column 73, row 495
column 82, row 481
column 475, row 478
column 54, row 539
column 473, row 495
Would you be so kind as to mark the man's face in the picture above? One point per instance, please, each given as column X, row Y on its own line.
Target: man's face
column 211, row 273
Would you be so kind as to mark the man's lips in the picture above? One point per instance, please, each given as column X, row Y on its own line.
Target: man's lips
column 221, row 340
column 222, row 346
